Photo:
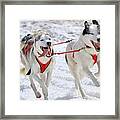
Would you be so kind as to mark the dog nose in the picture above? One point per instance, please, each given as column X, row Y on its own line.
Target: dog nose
column 49, row 43
column 98, row 39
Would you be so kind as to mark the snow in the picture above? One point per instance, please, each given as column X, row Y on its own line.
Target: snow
column 62, row 85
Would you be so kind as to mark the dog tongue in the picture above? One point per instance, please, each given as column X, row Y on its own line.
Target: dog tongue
column 45, row 51
column 97, row 45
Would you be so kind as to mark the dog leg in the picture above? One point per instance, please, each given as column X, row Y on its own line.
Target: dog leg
column 98, row 64
column 76, row 75
column 37, row 93
column 89, row 73
column 24, row 60
column 78, row 87
column 75, row 72
column 43, row 86
column 48, row 78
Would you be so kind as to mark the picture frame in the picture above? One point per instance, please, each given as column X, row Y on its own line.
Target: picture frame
column 2, row 56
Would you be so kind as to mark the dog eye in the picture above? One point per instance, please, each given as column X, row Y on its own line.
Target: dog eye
column 98, row 39
column 41, row 40
column 49, row 39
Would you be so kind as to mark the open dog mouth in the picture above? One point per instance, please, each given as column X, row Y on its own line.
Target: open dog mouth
column 46, row 51
column 96, row 45
column 45, row 48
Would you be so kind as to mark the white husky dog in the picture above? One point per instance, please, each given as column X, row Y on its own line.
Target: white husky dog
column 36, row 56
column 80, row 62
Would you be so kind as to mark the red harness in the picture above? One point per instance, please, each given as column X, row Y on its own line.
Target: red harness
column 43, row 67
column 94, row 57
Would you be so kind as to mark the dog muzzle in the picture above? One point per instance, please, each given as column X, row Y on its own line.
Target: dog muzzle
column 46, row 51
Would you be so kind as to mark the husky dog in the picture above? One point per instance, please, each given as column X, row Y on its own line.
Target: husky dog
column 88, row 30
column 80, row 62
column 36, row 56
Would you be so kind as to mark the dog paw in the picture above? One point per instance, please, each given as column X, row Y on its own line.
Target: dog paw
column 38, row 95
column 45, row 98
column 97, row 75
column 96, row 83
column 85, row 97
column 77, row 92
column 81, row 95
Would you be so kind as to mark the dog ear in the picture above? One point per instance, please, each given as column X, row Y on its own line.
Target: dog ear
column 86, row 30
column 95, row 22
column 27, row 38
column 85, row 23
column 34, row 41
column 24, row 39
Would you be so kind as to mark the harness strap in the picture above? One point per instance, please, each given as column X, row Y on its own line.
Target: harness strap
column 62, row 42
column 43, row 67
column 71, row 51
column 94, row 56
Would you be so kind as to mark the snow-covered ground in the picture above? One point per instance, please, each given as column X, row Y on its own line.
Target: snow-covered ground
column 62, row 84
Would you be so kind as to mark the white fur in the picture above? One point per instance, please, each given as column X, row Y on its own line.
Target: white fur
column 80, row 62
column 30, row 62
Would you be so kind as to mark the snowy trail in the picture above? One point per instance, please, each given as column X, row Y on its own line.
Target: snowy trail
column 62, row 85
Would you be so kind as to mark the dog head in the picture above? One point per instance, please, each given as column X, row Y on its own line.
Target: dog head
column 92, row 32
column 92, row 28
column 43, row 43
